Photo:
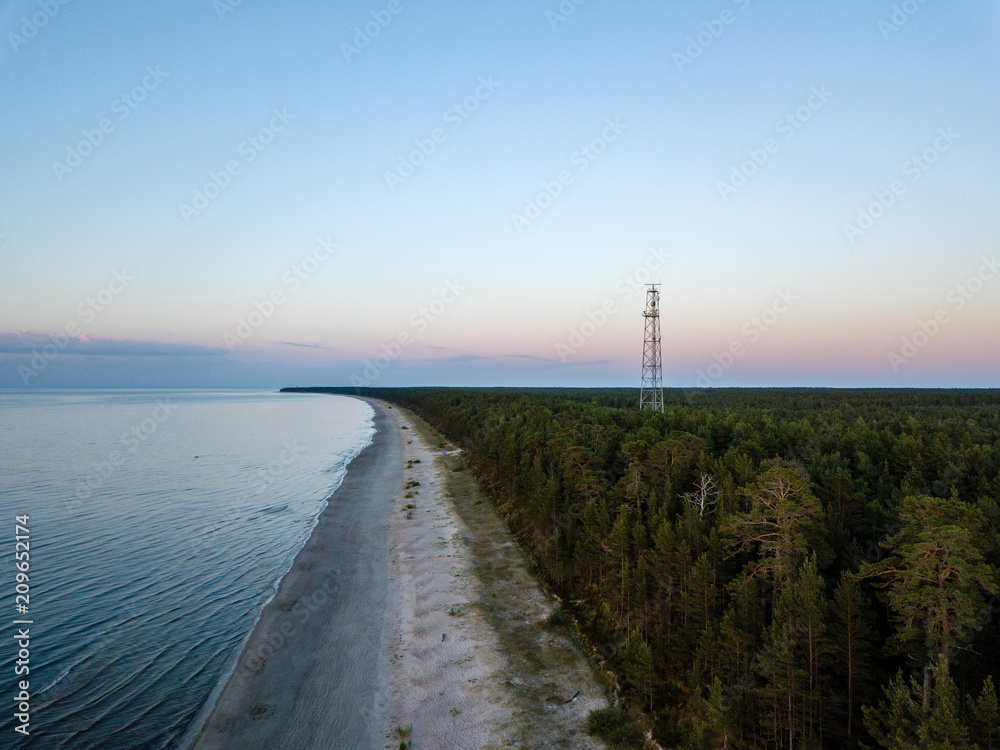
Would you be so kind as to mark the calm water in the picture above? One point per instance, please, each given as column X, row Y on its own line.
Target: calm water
column 160, row 524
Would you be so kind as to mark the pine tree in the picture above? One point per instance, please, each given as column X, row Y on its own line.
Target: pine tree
column 588, row 555
column 895, row 722
column 943, row 727
column 809, row 617
column 635, row 664
column 782, row 677
column 790, row 661
column 709, row 720
column 852, row 638
column 937, row 579
column 782, row 526
column 701, row 586
column 618, row 548
column 903, row 723
column 740, row 635
column 985, row 716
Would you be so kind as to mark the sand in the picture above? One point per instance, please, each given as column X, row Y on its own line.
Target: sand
column 474, row 665
column 308, row 675
column 406, row 613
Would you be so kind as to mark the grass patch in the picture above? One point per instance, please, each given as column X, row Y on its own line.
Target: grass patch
column 411, row 483
column 558, row 620
column 403, row 734
column 614, row 727
column 411, row 493
column 546, row 659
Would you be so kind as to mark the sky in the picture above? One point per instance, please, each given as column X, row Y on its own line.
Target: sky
column 421, row 192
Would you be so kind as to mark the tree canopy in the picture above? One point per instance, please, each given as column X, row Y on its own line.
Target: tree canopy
column 761, row 568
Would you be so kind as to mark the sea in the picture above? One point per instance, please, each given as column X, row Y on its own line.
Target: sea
column 159, row 524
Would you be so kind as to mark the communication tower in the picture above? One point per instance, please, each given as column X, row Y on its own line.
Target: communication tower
column 651, row 392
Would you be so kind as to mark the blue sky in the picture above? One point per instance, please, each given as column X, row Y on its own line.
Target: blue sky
column 288, row 198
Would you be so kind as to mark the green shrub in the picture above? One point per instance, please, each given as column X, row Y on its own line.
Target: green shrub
column 615, row 728
column 558, row 619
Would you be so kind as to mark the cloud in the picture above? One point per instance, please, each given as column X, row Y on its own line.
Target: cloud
column 307, row 346
column 27, row 342
column 509, row 359
column 587, row 363
column 461, row 359
column 532, row 357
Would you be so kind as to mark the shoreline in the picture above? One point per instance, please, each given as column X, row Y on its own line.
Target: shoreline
column 409, row 618
column 310, row 671
column 204, row 712
column 201, row 717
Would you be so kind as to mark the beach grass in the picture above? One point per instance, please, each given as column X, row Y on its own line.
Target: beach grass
column 547, row 667
column 614, row 727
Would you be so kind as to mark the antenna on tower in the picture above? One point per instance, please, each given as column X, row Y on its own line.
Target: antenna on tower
column 651, row 392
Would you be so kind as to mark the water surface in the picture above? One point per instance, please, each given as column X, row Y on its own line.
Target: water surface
column 160, row 522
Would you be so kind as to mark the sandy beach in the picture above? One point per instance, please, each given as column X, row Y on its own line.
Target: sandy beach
column 410, row 615
column 474, row 665
column 308, row 675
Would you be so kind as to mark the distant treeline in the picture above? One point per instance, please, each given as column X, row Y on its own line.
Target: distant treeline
column 761, row 568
